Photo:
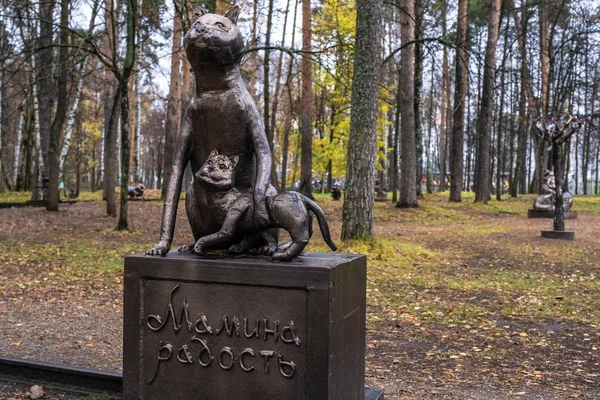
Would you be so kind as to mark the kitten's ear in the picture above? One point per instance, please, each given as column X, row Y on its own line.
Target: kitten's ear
column 234, row 160
column 213, row 153
column 198, row 12
column 233, row 14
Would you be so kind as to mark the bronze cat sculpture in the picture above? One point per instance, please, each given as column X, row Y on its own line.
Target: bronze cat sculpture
column 233, row 208
column 221, row 115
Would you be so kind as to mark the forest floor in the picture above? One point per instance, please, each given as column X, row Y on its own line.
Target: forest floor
column 465, row 301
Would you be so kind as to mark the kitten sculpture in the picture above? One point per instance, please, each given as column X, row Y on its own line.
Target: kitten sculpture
column 221, row 115
column 233, row 208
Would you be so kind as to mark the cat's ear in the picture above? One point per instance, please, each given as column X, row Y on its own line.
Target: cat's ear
column 234, row 160
column 233, row 14
column 213, row 153
column 198, row 12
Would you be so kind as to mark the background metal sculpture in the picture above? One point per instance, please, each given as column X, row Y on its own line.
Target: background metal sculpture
column 223, row 116
column 557, row 130
column 545, row 200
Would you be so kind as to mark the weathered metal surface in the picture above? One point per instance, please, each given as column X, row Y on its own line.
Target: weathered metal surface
column 245, row 328
column 223, row 117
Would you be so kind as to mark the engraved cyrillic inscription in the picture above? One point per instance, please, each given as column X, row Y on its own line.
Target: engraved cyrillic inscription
column 200, row 348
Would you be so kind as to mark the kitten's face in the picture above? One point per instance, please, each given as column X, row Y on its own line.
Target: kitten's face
column 214, row 39
column 218, row 170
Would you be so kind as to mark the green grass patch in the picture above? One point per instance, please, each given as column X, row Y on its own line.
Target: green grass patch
column 72, row 258
column 84, row 195
column 587, row 204
column 15, row 197
column 383, row 252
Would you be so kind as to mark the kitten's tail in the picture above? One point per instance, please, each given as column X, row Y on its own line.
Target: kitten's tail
column 314, row 207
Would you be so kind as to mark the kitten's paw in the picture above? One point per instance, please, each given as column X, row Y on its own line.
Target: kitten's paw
column 188, row 248
column 267, row 250
column 158, row 250
column 235, row 249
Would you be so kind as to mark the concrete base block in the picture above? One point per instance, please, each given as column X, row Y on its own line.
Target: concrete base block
column 245, row 328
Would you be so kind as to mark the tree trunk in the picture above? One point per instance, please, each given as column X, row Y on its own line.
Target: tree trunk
column 520, row 177
column 408, row 192
column 429, row 130
column 46, row 89
column 62, row 106
column 458, row 117
column 418, row 88
column 3, row 168
column 289, row 105
column 396, row 151
column 597, row 165
column 111, row 116
column 525, row 98
column 307, row 99
column 266, row 83
column 484, row 120
column 542, row 154
column 138, row 125
column 559, row 210
column 137, row 98
column 17, row 149
column 501, row 120
column 253, row 43
column 174, row 106
column 128, row 64
column 357, row 212
column 76, row 95
column 445, row 106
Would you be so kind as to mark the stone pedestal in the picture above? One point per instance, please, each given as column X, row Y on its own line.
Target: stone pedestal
column 245, row 328
column 564, row 235
column 532, row 213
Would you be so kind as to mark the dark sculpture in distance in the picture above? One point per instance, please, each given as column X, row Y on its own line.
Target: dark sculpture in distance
column 222, row 115
column 545, row 201
column 136, row 191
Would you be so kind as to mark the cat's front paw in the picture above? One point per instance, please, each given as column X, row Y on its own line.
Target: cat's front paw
column 158, row 250
column 282, row 256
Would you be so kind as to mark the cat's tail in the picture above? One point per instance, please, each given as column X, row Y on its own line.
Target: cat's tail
column 314, row 207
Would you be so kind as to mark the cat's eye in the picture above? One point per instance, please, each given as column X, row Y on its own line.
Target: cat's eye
column 222, row 166
column 220, row 25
